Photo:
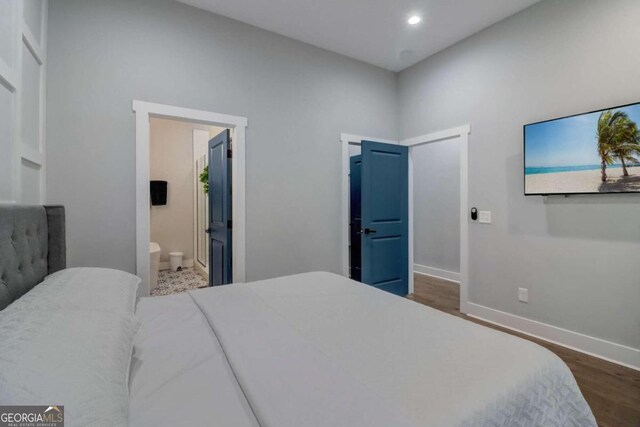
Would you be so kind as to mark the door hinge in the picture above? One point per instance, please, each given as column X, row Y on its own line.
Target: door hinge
column 229, row 224
column 229, row 153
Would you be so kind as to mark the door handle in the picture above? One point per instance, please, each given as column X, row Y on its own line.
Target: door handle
column 208, row 230
column 368, row 231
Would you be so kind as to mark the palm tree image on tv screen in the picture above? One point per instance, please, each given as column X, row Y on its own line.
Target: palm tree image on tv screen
column 594, row 152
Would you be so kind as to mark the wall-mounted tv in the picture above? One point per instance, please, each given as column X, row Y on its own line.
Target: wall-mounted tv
column 589, row 153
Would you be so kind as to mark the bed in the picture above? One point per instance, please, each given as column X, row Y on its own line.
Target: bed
column 313, row 349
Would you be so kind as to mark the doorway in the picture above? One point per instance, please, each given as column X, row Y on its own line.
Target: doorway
column 144, row 111
column 179, row 205
column 436, row 209
column 458, row 134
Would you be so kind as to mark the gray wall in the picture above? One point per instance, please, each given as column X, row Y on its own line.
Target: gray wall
column 103, row 54
column 580, row 256
column 436, row 205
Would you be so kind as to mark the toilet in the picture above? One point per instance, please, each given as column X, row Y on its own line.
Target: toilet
column 154, row 253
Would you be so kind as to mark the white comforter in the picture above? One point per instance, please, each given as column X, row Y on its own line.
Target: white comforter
column 321, row 350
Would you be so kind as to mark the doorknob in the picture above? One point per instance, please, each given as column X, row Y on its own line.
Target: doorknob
column 368, row 231
column 208, row 231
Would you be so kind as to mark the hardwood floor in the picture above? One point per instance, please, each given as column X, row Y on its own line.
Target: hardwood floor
column 612, row 391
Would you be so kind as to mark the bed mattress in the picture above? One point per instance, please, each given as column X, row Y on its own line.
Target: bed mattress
column 179, row 373
column 318, row 349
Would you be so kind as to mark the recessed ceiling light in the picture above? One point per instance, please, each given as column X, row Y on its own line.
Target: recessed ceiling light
column 414, row 20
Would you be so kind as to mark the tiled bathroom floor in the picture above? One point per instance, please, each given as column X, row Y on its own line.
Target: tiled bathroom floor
column 173, row 282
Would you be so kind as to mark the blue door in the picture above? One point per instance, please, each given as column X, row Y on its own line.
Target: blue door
column 385, row 216
column 220, row 210
column 355, row 252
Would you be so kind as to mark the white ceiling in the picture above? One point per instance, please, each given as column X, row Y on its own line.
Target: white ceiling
column 373, row 31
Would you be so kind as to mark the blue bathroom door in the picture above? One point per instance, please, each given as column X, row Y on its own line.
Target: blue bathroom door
column 385, row 216
column 355, row 217
column 220, row 226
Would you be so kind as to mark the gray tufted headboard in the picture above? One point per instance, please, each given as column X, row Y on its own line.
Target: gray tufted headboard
column 32, row 245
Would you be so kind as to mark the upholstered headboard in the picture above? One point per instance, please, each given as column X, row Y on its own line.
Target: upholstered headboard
column 32, row 245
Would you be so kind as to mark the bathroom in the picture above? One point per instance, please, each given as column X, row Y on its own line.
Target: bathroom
column 179, row 246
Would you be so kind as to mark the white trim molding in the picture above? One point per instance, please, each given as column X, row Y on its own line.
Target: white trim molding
column 438, row 273
column 143, row 111
column 31, row 155
column 24, row 161
column 32, row 44
column 8, row 77
column 437, row 136
column 602, row 349
column 461, row 134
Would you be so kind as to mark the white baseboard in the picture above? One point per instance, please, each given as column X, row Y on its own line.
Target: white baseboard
column 186, row 263
column 436, row 272
column 612, row 352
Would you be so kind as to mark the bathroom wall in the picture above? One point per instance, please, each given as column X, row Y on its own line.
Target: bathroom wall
column 171, row 157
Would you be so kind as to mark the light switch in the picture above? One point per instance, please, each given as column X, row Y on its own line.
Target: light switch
column 485, row 217
column 523, row 295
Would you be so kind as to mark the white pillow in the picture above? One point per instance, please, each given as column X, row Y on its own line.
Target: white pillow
column 76, row 358
column 83, row 288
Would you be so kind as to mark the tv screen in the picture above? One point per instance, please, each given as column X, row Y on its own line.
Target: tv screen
column 588, row 153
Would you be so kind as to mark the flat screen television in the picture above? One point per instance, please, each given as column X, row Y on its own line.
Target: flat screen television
column 590, row 153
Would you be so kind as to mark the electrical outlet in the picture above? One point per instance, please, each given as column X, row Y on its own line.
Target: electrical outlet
column 523, row 294
column 485, row 217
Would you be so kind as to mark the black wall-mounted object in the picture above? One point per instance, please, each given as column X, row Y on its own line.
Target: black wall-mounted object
column 474, row 214
column 158, row 193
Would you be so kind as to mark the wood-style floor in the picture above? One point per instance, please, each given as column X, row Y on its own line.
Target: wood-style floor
column 612, row 391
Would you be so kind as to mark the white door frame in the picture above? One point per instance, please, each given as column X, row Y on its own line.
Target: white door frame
column 461, row 134
column 143, row 111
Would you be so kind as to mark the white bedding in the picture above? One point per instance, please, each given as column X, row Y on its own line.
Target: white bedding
column 83, row 288
column 318, row 349
column 180, row 376
column 75, row 358
column 69, row 341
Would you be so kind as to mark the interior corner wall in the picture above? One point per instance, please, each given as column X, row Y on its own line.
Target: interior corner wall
column 578, row 256
column 297, row 98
